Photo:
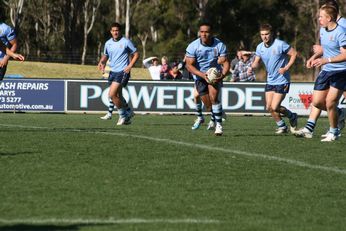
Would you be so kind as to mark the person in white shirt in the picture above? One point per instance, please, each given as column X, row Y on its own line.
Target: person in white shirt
column 152, row 63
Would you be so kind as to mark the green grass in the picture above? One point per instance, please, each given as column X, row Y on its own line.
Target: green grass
column 88, row 171
column 61, row 70
column 75, row 71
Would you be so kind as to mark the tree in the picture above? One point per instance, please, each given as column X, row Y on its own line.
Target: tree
column 70, row 10
column 89, row 11
column 16, row 11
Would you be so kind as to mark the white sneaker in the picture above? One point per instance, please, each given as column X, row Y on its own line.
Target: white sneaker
column 326, row 134
column 341, row 119
column 218, row 130
column 293, row 122
column 108, row 116
column 123, row 121
column 330, row 137
column 211, row 125
column 303, row 132
column 197, row 123
column 281, row 130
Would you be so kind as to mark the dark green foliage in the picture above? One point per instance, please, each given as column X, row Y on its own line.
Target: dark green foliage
column 167, row 25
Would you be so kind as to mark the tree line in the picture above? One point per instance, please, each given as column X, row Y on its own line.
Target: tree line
column 74, row 31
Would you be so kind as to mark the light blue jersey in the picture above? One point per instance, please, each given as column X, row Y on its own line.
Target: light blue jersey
column 274, row 58
column 118, row 53
column 342, row 22
column 6, row 34
column 206, row 56
column 331, row 41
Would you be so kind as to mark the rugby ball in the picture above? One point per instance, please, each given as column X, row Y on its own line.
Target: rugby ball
column 212, row 75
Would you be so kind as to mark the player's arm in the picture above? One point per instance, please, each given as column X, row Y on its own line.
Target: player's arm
column 13, row 48
column 102, row 63
column 336, row 59
column 134, row 58
column 254, row 65
column 309, row 63
column 223, row 60
column 10, row 53
column 292, row 53
column 190, row 66
column 317, row 49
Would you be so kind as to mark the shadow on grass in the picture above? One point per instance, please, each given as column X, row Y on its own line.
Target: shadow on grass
column 15, row 153
column 24, row 227
column 31, row 227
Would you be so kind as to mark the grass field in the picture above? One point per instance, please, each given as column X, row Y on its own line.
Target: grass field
column 76, row 172
column 62, row 70
column 74, row 71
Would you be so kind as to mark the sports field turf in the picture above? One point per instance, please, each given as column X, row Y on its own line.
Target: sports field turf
column 77, row 172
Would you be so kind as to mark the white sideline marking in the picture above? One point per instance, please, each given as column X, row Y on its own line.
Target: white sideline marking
column 206, row 147
column 110, row 221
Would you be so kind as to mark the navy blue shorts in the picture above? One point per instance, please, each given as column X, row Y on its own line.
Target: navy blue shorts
column 202, row 86
column 281, row 89
column 335, row 79
column 119, row 77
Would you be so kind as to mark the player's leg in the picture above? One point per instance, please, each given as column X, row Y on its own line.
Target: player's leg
column 207, row 103
column 332, row 101
column 318, row 98
column 125, row 77
column 108, row 115
column 320, row 92
column 308, row 130
column 279, row 96
column 214, row 91
column 130, row 113
column 342, row 114
column 118, row 80
column 203, row 92
column 114, row 92
column 277, row 110
column 199, row 108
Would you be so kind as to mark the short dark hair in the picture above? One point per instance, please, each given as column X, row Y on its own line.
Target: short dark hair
column 115, row 24
column 331, row 11
column 206, row 23
column 331, row 3
column 266, row 27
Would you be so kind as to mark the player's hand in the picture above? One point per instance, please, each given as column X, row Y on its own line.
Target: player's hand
column 18, row 57
column 282, row 70
column 319, row 62
column 219, row 78
column 101, row 67
column 309, row 63
column 3, row 63
column 127, row 69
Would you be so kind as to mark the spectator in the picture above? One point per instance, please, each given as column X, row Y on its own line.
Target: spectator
column 240, row 72
column 236, row 59
column 174, row 72
column 186, row 75
column 164, row 72
column 152, row 63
